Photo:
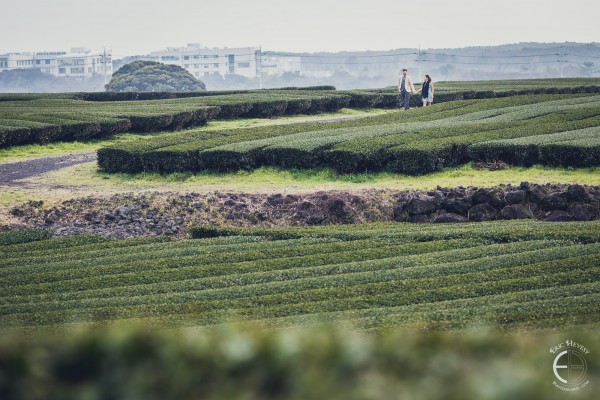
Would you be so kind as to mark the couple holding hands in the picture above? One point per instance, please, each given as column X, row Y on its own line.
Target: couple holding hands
column 405, row 82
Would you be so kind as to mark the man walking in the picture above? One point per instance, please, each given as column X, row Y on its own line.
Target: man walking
column 405, row 86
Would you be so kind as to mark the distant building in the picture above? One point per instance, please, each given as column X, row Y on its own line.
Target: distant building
column 277, row 65
column 202, row 61
column 79, row 62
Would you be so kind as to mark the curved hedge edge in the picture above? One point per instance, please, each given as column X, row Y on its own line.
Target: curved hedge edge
column 362, row 99
column 23, row 236
column 82, row 130
column 227, row 160
column 133, row 96
column 11, row 136
column 168, row 161
column 322, row 87
column 203, row 232
column 570, row 155
column 517, row 154
column 115, row 160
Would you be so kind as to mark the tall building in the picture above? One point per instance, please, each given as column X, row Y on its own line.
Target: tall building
column 202, row 61
column 79, row 62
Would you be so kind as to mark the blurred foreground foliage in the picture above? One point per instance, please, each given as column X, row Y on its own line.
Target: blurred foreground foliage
column 311, row 363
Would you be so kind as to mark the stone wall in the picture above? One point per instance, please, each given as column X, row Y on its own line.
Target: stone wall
column 552, row 203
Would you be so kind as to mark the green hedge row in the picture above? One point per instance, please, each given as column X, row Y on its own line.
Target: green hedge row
column 55, row 129
column 133, row 96
column 15, row 132
column 43, row 120
column 132, row 259
column 34, row 96
column 23, row 236
column 497, row 232
column 427, row 149
column 25, row 254
column 390, row 98
column 218, row 271
column 321, row 87
column 133, row 254
column 179, row 152
column 413, row 143
column 573, row 148
column 359, row 98
column 187, row 278
column 61, row 252
column 278, row 108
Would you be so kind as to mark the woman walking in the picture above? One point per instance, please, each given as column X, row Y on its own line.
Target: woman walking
column 427, row 91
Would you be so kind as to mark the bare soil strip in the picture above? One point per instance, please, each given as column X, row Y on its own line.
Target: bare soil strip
column 11, row 173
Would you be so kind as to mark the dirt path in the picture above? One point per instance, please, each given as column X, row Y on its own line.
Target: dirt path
column 11, row 173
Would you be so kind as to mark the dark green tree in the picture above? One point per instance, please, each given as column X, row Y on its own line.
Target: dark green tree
column 150, row 76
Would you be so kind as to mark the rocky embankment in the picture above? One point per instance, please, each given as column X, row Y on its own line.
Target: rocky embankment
column 122, row 216
column 552, row 203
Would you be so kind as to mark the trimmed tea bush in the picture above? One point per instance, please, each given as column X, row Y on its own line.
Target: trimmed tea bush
column 422, row 141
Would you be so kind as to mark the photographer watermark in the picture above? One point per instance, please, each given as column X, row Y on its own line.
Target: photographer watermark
column 570, row 366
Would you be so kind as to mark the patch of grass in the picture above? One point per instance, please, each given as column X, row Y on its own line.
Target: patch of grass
column 12, row 196
column 32, row 151
column 252, row 122
column 449, row 177
column 87, row 178
column 468, row 175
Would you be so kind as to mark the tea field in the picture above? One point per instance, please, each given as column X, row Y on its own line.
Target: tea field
column 415, row 142
column 272, row 311
column 44, row 118
column 506, row 275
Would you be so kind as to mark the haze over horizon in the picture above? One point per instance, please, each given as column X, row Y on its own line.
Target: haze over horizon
column 130, row 27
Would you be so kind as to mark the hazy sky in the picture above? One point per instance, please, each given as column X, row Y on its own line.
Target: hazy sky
column 139, row 26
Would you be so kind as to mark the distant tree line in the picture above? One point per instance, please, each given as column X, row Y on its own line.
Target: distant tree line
column 35, row 81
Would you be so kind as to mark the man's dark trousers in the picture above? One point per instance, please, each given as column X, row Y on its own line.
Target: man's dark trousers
column 405, row 98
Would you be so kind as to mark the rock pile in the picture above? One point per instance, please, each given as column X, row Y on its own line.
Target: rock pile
column 553, row 203
column 170, row 213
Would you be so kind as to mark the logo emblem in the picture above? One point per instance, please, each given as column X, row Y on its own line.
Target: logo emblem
column 570, row 366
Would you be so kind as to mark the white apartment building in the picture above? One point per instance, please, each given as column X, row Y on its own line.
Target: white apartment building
column 202, row 61
column 79, row 62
